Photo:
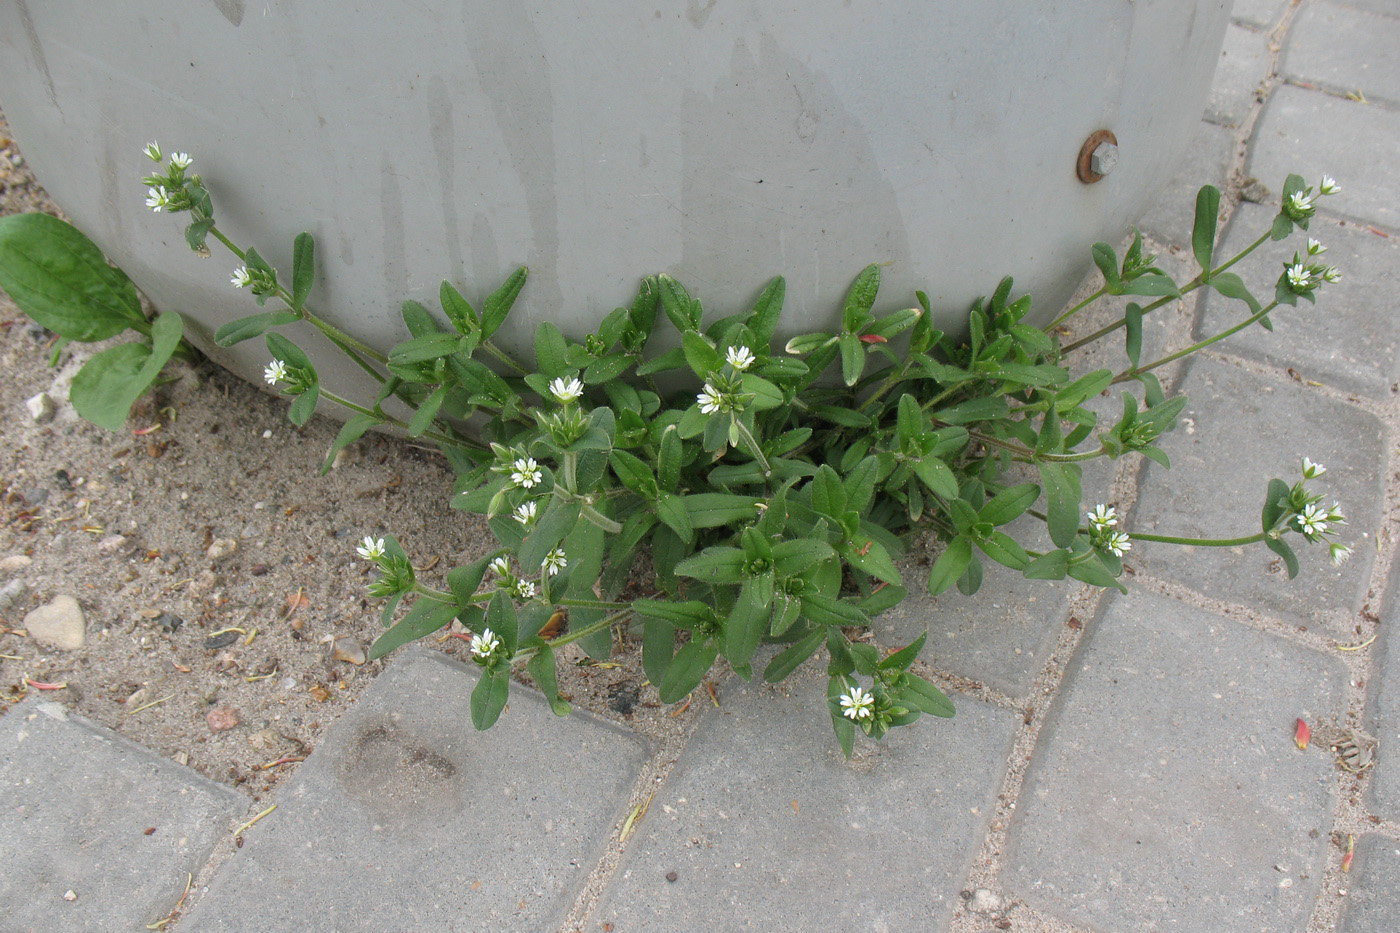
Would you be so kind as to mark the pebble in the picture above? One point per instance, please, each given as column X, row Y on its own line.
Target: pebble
column 111, row 544
column 221, row 640
column 59, row 624
column 221, row 549
column 265, row 739
column 222, row 718
column 12, row 592
column 984, row 901
column 15, row 563
column 345, row 648
column 671, row 876
column 41, row 408
column 169, row 622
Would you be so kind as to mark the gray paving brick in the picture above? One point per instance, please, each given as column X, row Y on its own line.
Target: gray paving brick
column 1236, row 433
column 1207, row 162
column 1386, row 7
column 76, row 802
column 406, row 818
column 1244, row 65
column 1263, row 14
column 1001, row 636
column 1373, row 895
column 1344, row 50
column 1167, row 787
column 768, row 828
column 1349, row 338
column 1300, row 132
column 1384, row 716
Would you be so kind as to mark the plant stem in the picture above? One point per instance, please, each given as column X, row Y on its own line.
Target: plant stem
column 598, row 518
column 395, row 422
column 1077, row 308
column 747, row 437
column 1201, row 345
column 1203, row 542
column 603, row 623
column 504, row 357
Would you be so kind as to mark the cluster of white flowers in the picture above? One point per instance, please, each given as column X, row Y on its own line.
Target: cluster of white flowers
column 1102, row 518
column 565, row 392
column 527, row 473
column 1314, row 520
column 370, row 548
column 523, row 589
column 857, row 704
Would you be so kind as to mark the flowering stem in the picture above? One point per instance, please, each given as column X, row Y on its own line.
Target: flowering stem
column 592, row 604
column 1204, row 542
column 1201, row 345
column 395, row 422
column 1077, row 308
column 885, row 386
column 504, row 357
column 603, row 623
column 753, row 446
column 1031, row 456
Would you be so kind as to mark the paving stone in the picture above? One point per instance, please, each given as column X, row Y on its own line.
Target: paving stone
column 76, row 804
column 406, row 816
column 1244, row 65
column 1207, row 162
column 1384, row 716
column 1263, row 14
column 1299, row 133
column 1373, row 894
column 1001, row 636
column 1345, row 50
column 1349, row 338
column 1167, row 786
column 1236, row 433
column 1387, row 7
column 767, row 828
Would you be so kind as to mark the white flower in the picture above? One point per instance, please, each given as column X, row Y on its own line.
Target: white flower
column 1298, row 278
column 1315, row 248
column 484, row 644
column 371, row 548
column 525, row 512
column 1312, row 470
column 276, row 372
column 501, row 566
column 152, row 151
column 240, row 277
column 554, row 562
column 527, row 473
column 1340, row 553
column 740, row 358
column 857, row 704
column 180, row 159
column 1331, row 274
column 1103, row 516
column 524, row 589
column 1334, row 515
column 1117, row 544
column 157, row 198
column 1312, row 520
column 1300, row 202
column 565, row 392
column 1328, row 185
column 711, row 400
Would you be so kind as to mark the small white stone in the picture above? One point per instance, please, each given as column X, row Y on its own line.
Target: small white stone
column 984, row 901
column 70, row 896
column 41, row 408
column 59, row 624
column 15, row 563
column 221, row 548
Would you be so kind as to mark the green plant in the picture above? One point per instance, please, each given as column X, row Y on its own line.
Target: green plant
column 773, row 490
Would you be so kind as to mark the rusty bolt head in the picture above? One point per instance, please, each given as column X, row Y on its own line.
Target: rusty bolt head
column 1103, row 159
column 1097, row 157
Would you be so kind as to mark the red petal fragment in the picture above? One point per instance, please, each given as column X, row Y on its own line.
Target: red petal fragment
column 873, row 338
column 1351, row 853
column 1302, row 734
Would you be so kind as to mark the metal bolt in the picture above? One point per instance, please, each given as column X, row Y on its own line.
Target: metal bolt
column 1104, row 158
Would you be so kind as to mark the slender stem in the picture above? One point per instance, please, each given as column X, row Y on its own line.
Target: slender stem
column 504, row 357
column 592, row 604
column 428, row 592
column 219, row 235
column 1077, row 308
column 1201, row 345
column 1247, row 250
column 889, row 383
column 1032, row 455
column 747, row 437
column 395, row 422
column 340, row 337
column 603, row 623
column 1204, row 542
column 599, row 519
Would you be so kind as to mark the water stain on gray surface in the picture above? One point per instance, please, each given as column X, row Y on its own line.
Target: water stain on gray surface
column 399, row 778
column 232, row 10
column 442, row 132
column 699, row 13
column 510, row 64
column 391, row 210
column 36, row 48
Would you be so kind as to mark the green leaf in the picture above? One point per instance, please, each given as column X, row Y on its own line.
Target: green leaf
column 795, row 557
column 1275, row 504
column 247, row 327
column 791, row 658
column 875, row 561
column 974, row 409
column 606, row 368
column 1132, row 328
column 1107, row 261
column 1003, row 549
column 673, row 358
column 197, row 232
column 852, row 358
column 715, row 509
column 1094, row 573
column 675, row 301
column 827, row 610
column 929, row 698
column 669, row 461
column 501, row 619
column 489, row 697
column 420, row 349
column 423, row 417
column 426, row 617
column 633, row 473
column 766, row 396
column 702, row 358
column 658, row 641
column 59, row 277
column 689, row 614
column 1281, row 548
column 551, row 351
column 542, row 671
column 714, row 565
column 1232, row 286
column 845, row 417
column 459, row 311
column 464, row 580
column 1203, row 231
column 860, row 483
column 1052, row 565
column 303, row 269
column 104, row 390
column 845, row 728
column 350, row 432
column 499, row 302
column 936, row 475
column 559, row 518
column 901, row 659
column 671, row 509
column 1151, row 284
column 766, row 310
column 859, row 300
column 1008, row 505
column 687, row 669
column 748, row 621
column 1063, row 496
column 950, row 565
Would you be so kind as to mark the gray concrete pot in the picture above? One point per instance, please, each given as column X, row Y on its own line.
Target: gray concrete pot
column 720, row 141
